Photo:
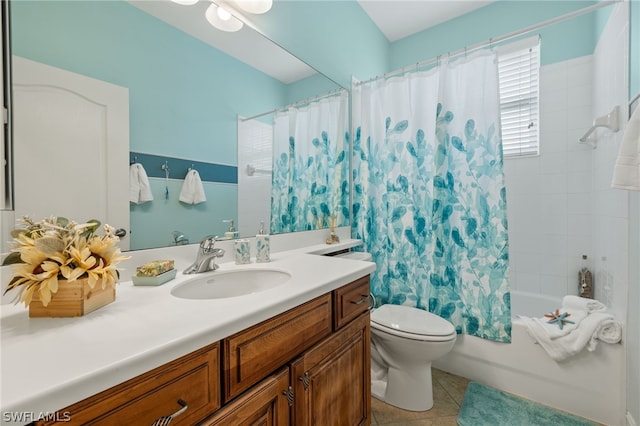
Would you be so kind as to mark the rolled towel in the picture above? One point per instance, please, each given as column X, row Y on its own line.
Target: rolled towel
column 610, row 331
column 572, row 303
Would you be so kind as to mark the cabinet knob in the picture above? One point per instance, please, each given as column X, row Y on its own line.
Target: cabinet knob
column 165, row 420
column 289, row 395
column 305, row 380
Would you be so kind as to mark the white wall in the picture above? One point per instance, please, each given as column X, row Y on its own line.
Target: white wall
column 549, row 196
column 611, row 206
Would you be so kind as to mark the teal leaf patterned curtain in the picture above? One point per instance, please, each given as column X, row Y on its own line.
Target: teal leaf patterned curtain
column 429, row 199
column 311, row 166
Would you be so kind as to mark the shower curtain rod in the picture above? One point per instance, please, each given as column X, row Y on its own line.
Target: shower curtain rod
column 493, row 41
column 302, row 102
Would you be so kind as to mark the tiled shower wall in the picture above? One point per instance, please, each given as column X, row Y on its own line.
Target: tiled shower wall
column 560, row 203
column 549, row 196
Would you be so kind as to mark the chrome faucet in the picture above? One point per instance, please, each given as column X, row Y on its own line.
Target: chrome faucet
column 179, row 238
column 205, row 260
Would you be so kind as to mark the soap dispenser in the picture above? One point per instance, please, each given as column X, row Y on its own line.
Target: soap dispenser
column 262, row 245
column 231, row 232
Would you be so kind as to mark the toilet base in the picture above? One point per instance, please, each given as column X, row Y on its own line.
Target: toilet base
column 414, row 391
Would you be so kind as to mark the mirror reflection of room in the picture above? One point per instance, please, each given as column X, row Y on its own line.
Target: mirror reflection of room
column 185, row 95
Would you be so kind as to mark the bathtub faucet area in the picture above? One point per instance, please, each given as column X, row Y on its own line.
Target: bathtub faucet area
column 205, row 259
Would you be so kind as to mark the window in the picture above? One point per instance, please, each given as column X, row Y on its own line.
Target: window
column 519, row 79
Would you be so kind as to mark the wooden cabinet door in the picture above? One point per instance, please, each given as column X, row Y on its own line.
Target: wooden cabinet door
column 332, row 381
column 265, row 404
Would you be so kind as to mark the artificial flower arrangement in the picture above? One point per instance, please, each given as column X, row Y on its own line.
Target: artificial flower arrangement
column 49, row 252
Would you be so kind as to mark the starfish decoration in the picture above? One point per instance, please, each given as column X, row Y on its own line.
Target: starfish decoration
column 559, row 318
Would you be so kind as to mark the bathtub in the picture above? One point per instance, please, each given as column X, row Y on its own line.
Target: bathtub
column 590, row 385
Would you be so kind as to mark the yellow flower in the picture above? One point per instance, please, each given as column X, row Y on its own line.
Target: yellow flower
column 53, row 249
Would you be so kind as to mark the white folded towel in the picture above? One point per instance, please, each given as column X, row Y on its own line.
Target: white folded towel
column 577, row 309
column 139, row 188
column 626, row 172
column 192, row 190
column 554, row 331
column 586, row 335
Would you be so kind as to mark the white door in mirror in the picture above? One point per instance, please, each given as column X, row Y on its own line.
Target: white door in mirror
column 71, row 146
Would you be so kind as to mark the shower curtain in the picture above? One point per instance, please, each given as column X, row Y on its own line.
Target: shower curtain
column 429, row 196
column 310, row 165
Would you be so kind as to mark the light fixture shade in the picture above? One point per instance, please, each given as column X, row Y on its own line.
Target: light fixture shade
column 253, row 6
column 185, row 2
column 230, row 25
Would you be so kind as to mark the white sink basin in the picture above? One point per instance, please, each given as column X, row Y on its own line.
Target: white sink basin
column 222, row 285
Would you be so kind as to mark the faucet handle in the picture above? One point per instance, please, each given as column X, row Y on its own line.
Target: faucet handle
column 207, row 243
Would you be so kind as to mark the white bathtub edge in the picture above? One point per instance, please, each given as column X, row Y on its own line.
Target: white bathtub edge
column 583, row 386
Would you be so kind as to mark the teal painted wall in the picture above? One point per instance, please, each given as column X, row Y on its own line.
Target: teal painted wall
column 563, row 41
column 184, row 94
column 339, row 39
column 184, row 97
column 309, row 87
column 334, row 36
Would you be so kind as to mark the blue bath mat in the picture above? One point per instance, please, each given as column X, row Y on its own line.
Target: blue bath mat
column 485, row 406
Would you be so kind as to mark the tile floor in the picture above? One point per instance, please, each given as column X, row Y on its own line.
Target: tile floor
column 448, row 391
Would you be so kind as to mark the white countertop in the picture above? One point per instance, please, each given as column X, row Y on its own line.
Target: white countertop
column 50, row 363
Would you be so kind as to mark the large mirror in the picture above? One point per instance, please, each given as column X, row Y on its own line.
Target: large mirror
column 198, row 100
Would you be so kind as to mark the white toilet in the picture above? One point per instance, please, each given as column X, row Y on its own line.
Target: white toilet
column 404, row 343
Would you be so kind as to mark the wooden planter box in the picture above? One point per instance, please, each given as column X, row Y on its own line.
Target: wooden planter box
column 73, row 299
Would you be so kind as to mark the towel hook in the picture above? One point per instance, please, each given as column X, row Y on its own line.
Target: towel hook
column 135, row 160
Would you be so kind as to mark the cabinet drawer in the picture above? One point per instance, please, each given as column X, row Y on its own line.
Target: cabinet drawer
column 191, row 381
column 252, row 354
column 350, row 301
column 264, row 404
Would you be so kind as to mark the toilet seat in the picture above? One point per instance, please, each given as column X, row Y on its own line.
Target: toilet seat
column 412, row 323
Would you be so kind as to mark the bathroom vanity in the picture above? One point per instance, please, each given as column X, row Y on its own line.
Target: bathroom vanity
column 296, row 354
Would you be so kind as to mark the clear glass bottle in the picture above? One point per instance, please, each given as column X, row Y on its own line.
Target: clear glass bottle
column 585, row 280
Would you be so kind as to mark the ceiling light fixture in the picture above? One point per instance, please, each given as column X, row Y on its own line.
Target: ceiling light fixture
column 223, row 14
column 219, row 13
column 215, row 14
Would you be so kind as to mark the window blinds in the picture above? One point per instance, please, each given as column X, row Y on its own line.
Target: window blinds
column 519, row 79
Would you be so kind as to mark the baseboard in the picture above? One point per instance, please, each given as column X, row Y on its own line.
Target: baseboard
column 630, row 420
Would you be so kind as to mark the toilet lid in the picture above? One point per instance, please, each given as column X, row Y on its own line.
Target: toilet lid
column 411, row 320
